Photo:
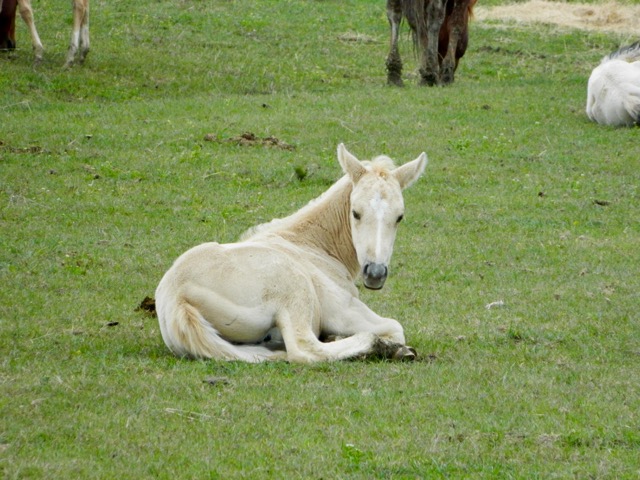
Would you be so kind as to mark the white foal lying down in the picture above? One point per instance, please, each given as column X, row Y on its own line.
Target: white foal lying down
column 295, row 275
column 613, row 94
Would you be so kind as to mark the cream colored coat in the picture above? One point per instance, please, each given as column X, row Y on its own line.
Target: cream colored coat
column 613, row 92
column 294, row 278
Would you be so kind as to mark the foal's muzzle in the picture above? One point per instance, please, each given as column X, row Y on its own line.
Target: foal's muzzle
column 374, row 275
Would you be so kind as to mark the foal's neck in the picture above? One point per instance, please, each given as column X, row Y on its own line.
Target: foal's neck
column 325, row 225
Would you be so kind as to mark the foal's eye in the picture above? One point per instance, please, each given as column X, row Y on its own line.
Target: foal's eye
column 399, row 218
column 356, row 215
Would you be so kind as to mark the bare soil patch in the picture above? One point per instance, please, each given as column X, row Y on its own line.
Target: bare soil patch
column 611, row 17
column 249, row 139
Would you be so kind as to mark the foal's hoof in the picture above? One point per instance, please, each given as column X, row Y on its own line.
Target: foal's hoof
column 392, row 351
column 405, row 354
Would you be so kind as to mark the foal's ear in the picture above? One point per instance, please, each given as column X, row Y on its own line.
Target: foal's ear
column 408, row 173
column 350, row 164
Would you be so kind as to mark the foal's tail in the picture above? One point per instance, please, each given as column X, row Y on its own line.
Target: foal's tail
column 187, row 334
column 630, row 53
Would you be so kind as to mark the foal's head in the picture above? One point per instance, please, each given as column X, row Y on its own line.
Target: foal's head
column 377, row 208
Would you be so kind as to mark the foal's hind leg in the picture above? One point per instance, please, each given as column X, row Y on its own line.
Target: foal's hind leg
column 394, row 62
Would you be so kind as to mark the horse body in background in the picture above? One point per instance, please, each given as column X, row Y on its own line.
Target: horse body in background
column 613, row 91
column 79, row 45
column 441, row 35
column 294, row 278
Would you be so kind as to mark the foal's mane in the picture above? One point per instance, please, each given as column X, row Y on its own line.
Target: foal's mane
column 381, row 166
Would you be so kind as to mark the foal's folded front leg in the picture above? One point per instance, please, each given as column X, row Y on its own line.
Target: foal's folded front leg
column 355, row 317
column 384, row 349
column 304, row 346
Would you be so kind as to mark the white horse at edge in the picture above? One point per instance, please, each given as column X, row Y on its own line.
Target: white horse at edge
column 294, row 278
column 613, row 92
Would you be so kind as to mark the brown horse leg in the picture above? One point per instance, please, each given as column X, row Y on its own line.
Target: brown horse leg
column 457, row 22
column 394, row 63
column 7, row 24
column 12, row 30
column 430, row 70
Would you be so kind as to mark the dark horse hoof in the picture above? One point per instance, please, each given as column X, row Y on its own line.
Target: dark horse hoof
column 394, row 70
column 405, row 354
column 429, row 80
column 395, row 80
column 429, row 76
column 447, row 76
column 392, row 351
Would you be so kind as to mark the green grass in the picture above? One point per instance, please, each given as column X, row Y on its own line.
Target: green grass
column 105, row 178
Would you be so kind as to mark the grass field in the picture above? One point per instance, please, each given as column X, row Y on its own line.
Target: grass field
column 106, row 177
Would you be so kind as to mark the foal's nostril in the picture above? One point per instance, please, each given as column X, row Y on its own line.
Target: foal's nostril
column 374, row 275
column 375, row 270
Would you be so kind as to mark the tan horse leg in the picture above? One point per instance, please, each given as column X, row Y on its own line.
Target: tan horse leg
column 79, row 44
column 26, row 12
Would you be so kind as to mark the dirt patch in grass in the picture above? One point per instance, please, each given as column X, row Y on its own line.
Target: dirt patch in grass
column 147, row 305
column 355, row 37
column 33, row 149
column 249, row 139
column 606, row 17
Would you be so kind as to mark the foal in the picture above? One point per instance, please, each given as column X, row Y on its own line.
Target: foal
column 295, row 276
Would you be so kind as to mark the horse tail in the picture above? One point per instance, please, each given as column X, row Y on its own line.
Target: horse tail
column 188, row 334
column 630, row 53
column 414, row 12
